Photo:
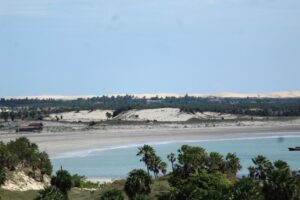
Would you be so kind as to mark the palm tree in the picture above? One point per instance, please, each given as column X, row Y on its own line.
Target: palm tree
column 163, row 167
column 63, row 181
column 154, row 164
column 261, row 168
column 146, row 152
column 246, row 189
column 172, row 158
column 137, row 183
column 215, row 162
column 232, row 164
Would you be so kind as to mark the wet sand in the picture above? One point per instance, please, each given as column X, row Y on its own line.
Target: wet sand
column 61, row 142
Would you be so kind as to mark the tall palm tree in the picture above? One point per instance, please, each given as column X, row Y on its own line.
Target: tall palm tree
column 172, row 158
column 154, row 164
column 215, row 162
column 163, row 167
column 146, row 153
column 232, row 164
column 261, row 167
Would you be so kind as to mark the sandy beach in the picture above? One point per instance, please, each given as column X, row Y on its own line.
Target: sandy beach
column 56, row 143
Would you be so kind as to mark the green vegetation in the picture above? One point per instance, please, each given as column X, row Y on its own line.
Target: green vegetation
column 137, row 183
column 196, row 175
column 21, row 153
column 50, row 193
column 112, row 194
column 12, row 109
column 2, row 175
column 63, row 181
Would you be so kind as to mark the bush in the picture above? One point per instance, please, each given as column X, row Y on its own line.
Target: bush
column 138, row 183
column 62, row 180
column 2, row 175
column 76, row 180
column 112, row 194
column 50, row 193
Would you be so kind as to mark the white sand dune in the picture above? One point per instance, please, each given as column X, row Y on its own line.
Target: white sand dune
column 169, row 115
column 159, row 114
column 83, row 115
column 19, row 181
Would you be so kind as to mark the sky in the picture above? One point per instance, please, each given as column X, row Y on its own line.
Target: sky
column 93, row 47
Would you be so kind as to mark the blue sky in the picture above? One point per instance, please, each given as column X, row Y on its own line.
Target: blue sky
column 78, row 47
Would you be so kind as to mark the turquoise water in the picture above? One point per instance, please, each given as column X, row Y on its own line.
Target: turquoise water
column 116, row 162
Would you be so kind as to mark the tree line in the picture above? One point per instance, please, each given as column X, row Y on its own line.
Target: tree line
column 34, row 108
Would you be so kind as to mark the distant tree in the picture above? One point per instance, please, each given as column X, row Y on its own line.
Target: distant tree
column 4, row 115
column 12, row 115
column 108, row 115
column 32, row 114
column 2, row 175
column 50, row 193
column 112, row 194
column 63, row 181
column 137, row 183
column 172, row 158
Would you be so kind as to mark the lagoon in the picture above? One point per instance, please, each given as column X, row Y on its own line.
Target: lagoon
column 116, row 162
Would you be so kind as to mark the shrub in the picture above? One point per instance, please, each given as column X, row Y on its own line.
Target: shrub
column 112, row 194
column 2, row 175
column 76, row 180
column 138, row 183
column 50, row 193
column 62, row 180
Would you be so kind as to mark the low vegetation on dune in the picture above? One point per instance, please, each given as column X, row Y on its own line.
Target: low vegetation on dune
column 33, row 109
column 196, row 174
column 23, row 155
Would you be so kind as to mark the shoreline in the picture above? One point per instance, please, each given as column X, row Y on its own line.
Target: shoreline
column 56, row 143
column 87, row 152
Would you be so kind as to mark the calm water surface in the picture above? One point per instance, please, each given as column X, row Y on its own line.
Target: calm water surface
column 118, row 161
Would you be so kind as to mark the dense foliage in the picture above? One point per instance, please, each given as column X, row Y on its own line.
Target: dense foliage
column 37, row 109
column 63, row 181
column 138, row 183
column 23, row 153
column 199, row 175
column 2, row 175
